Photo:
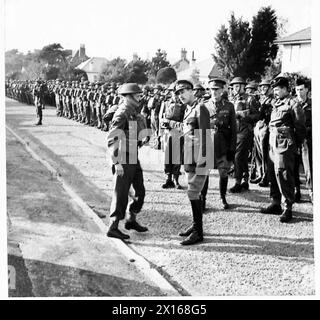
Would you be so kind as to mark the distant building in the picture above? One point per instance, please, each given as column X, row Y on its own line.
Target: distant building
column 204, row 69
column 79, row 56
column 183, row 63
column 296, row 52
column 93, row 67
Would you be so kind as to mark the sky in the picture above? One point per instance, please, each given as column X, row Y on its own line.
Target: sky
column 122, row 27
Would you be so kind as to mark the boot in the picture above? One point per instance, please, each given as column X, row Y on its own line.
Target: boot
column 169, row 183
column 286, row 215
column 236, row 188
column 197, row 233
column 114, row 232
column 272, row 209
column 223, row 185
column 187, row 232
column 245, row 185
column 203, row 203
column 297, row 196
column 224, row 203
column 131, row 223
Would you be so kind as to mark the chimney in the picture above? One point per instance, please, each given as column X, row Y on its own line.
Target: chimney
column 82, row 51
column 183, row 54
column 193, row 60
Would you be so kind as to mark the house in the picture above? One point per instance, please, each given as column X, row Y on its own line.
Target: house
column 183, row 63
column 203, row 70
column 296, row 52
column 79, row 56
column 93, row 67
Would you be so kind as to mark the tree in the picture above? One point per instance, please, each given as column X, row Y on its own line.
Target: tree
column 232, row 46
column 158, row 62
column 53, row 54
column 166, row 75
column 137, row 71
column 262, row 50
column 247, row 51
column 115, row 70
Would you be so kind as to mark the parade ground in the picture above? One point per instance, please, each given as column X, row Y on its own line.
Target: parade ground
column 59, row 188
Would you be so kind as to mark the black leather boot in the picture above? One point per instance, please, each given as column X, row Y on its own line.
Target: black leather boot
column 286, row 215
column 169, row 183
column 114, row 232
column 223, row 184
column 196, row 235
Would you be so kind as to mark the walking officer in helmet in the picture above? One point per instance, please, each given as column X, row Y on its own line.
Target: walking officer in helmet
column 123, row 140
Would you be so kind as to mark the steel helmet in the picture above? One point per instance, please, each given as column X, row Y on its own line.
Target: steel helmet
column 265, row 82
column 237, row 80
column 252, row 85
column 129, row 88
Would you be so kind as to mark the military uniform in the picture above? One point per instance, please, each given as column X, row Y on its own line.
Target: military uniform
column 196, row 160
column 224, row 134
column 261, row 140
column 246, row 108
column 287, row 132
column 123, row 147
column 173, row 114
column 38, row 93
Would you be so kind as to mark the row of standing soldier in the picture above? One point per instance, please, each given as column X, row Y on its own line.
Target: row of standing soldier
column 237, row 125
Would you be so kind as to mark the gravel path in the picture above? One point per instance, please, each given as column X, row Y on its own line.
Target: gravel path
column 244, row 252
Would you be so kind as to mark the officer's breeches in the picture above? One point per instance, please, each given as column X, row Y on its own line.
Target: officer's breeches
column 281, row 173
column 132, row 176
column 173, row 156
column 196, row 183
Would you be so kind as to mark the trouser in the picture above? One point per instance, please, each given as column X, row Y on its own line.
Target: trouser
column 98, row 115
column 281, row 173
column 173, row 155
column 87, row 112
column 155, row 129
column 261, row 151
column 93, row 113
column 241, row 168
column 132, row 176
column 296, row 170
column 196, row 183
column 223, row 166
column 306, row 151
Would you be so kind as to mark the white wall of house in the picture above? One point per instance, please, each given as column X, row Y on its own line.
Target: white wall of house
column 92, row 76
column 297, row 58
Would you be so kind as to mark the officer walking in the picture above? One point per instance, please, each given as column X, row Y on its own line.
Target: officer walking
column 125, row 129
column 224, row 135
column 196, row 125
column 287, row 132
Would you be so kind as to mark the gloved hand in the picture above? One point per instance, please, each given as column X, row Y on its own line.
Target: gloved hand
column 230, row 155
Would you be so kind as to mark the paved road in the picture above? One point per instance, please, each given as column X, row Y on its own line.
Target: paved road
column 244, row 252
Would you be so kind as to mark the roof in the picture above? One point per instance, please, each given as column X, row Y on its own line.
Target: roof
column 94, row 64
column 205, row 67
column 302, row 36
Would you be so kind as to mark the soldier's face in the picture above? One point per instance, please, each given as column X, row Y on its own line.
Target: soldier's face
column 237, row 88
column 216, row 93
column 302, row 92
column 280, row 92
column 186, row 96
column 264, row 89
column 137, row 96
